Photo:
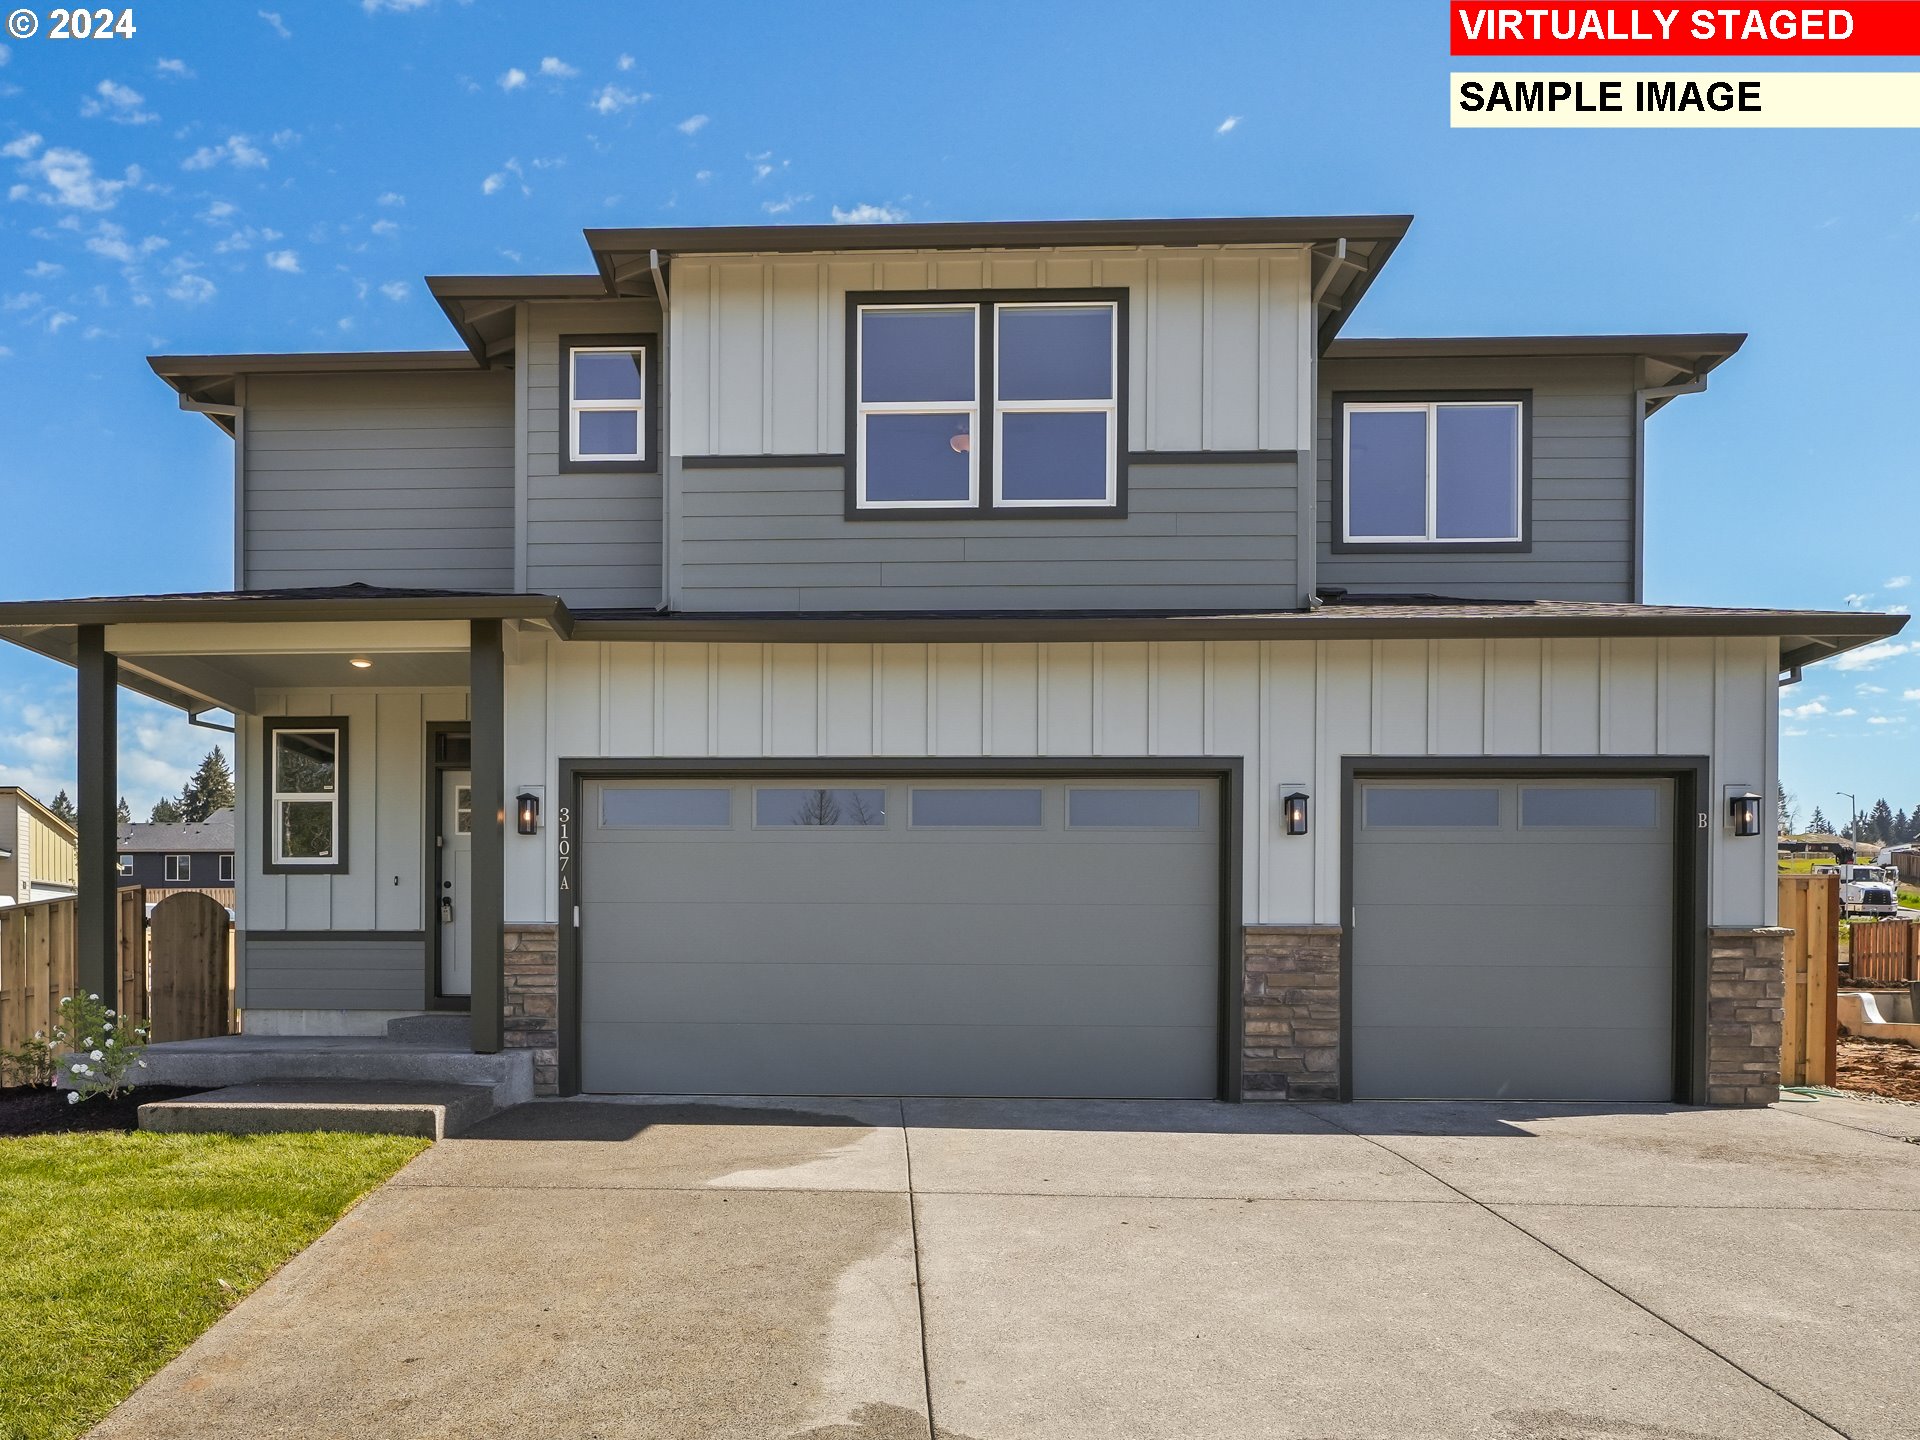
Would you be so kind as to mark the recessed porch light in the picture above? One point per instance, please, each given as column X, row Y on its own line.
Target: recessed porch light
column 360, row 662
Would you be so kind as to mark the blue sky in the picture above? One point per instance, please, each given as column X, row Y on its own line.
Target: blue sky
column 279, row 178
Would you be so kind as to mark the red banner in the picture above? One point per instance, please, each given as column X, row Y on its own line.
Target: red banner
column 1868, row 27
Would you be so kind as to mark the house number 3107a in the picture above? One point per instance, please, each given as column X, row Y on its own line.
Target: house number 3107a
column 566, row 847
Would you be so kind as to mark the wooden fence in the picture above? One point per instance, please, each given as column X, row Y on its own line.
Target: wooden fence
column 39, row 960
column 1883, row 952
column 1809, row 1038
column 190, row 941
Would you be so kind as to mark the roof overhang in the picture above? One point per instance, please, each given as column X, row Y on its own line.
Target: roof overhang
column 1669, row 365
column 1348, row 250
column 482, row 307
column 207, row 384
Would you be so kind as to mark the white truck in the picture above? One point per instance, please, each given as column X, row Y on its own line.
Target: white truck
column 1866, row 889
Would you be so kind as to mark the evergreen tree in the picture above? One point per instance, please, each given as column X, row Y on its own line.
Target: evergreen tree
column 1787, row 812
column 1901, row 826
column 63, row 807
column 123, row 815
column 1880, row 823
column 210, row 789
column 1819, row 824
column 165, row 812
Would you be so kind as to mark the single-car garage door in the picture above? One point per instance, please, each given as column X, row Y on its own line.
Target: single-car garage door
column 932, row 936
column 1513, row 939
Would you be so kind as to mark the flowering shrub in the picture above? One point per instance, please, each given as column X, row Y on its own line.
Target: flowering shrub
column 100, row 1054
column 32, row 1064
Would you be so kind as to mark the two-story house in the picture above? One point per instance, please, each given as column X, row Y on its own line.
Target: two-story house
column 982, row 659
column 37, row 850
column 190, row 855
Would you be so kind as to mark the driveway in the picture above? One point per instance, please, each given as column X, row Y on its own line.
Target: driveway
column 841, row 1270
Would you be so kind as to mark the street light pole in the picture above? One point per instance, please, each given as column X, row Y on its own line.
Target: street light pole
column 1854, row 833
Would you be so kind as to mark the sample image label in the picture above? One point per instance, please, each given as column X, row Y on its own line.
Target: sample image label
column 1665, row 99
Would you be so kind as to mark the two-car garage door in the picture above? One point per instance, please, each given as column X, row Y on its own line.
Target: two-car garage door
column 927, row 936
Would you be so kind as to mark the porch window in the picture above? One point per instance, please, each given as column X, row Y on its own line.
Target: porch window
column 306, row 787
column 179, row 869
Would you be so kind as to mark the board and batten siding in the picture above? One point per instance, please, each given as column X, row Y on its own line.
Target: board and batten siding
column 1194, row 536
column 385, row 885
column 1289, row 709
column 592, row 539
column 1219, row 346
column 393, row 479
column 1583, row 481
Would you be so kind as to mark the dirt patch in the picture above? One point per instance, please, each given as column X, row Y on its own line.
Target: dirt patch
column 1878, row 1067
column 36, row 1110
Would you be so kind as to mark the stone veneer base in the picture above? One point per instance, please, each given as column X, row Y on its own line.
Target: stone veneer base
column 1745, row 1015
column 1290, row 1032
column 532, row 1000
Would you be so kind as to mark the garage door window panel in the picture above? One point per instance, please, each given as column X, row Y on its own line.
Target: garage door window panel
column 1431, row 807
column 661, row 807
column 1101, row 808
column 784, row 807
column 940, row 809
column 1590, row 807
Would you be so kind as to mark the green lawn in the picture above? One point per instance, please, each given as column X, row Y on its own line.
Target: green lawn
column 116, row 1250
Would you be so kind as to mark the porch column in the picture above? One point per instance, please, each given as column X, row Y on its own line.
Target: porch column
column 487, row 684
column 98, row 735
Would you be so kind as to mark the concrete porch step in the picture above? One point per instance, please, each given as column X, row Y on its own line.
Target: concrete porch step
column 363, row 1107
column 448, row 1028
column 227, row 1060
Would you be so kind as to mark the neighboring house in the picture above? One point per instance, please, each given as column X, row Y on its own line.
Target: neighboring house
column 178, row 857
column 988, row 659
column 37, row 854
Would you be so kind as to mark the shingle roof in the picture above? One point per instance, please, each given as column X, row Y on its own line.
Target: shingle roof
column 215, row 833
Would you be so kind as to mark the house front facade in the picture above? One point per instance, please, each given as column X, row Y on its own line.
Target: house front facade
column 1019, row 659
column 37, row 850
column 190, row 855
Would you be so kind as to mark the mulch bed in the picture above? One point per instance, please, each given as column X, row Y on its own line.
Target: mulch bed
column 1877, row 1067
column 36, row 1110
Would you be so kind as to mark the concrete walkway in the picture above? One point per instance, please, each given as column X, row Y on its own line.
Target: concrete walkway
column 842, row 1270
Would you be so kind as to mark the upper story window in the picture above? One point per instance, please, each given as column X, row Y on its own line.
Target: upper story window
column 226, row 869
column 607, row 393
column 179, row 868
column 306, row 795
column 976, row 403
column 1441, row 472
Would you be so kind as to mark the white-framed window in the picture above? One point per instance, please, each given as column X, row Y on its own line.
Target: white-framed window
column 1441, row 472
column 126, row 864
column 306, row 777
column 226, row 869
column 607, row 403
column 1056, row 404
column 917, row 406
column 179, row 869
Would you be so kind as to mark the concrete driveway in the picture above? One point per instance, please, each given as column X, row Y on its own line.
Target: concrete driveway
column 842, row 1270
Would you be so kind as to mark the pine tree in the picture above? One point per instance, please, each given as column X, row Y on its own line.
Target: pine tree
column 1787, row 811
column 1901, row 825
column 63, row 807
column 165, row 812
column 210, row 789
column 1880, row 822
column 1819, row 824
column 123, row 815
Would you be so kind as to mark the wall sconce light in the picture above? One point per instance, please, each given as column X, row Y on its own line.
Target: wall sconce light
column 1743, row 811
column 529, row 812
column 1293, row 810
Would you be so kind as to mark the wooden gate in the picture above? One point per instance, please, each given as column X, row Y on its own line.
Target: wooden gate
column 190, row 944
column 38, row 963
column 1809, row 1039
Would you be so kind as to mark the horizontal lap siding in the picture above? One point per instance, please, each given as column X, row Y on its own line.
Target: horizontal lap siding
column 1288, row 710
column 592, row 539
column 388, row 479
column 328, row 974
column 1583, row 527
column 1195, row 536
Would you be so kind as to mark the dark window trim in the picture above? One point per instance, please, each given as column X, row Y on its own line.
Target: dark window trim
column 1343, row 546
column 1229, row 771
column 1691, row 946
column 270, row 726
column 650, row 416
column 985, row 300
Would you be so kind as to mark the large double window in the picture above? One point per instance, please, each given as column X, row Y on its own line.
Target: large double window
column 1443, row 472
column 987, row 403
column 306, row 795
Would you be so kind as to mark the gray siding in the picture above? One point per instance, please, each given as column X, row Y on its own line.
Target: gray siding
column 1583, row 482
column 1195, row 536
column 592, row 539
column 388, row 479
column 334, row 973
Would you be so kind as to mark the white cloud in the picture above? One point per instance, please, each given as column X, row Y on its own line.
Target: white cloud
column 6, row 55
column 625, row 62
column 236, row 150
column 554, row 68
column 1899, row 582
column 22, row 300
column 173, row 69
column 611, row 100
column 218, row 212
column 287, row 262
column 191, row 289
column 67, row 175
column 278, row 25
column 110, row 242
column 119, row 103
column 5, row 353
column 59, row 321
column 1895, row 609
column 1870, row 689
column 43, row 270
column 1802, row 712
column 245, row 238
column 1845, row 714
column 1788, row 732
column 396, row 290
column 1854, row 602
column 692, row 125
column 384, row 228
column 514, row 78
column 1910, row 694
column 869, row 215
column 1869, row 656
column 703, row 176
column 784, row 204
column 497, row 181
column 491, row 185
column 1228, row 125
column 398, row 7
column 280, row 139
column 1879, row 720
column 391, row 197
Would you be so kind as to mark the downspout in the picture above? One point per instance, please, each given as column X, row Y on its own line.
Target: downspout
column 1642, row 398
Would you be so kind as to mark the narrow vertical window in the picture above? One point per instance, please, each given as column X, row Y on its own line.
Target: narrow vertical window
column 1056, row 405
column 607, row 403
column 306, row 784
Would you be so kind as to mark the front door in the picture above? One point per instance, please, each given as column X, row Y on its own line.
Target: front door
column 456, row 883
